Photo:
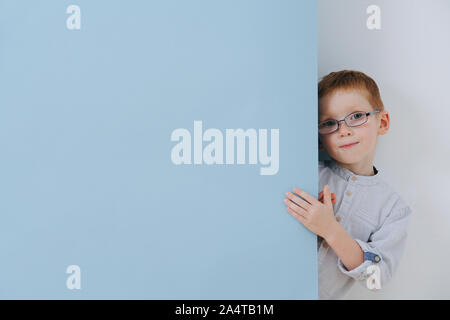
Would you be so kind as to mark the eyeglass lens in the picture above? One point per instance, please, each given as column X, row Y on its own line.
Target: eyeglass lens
column 352, row 120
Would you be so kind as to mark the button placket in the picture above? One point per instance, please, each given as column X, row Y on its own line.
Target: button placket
column 346, row 203
column 348, row 193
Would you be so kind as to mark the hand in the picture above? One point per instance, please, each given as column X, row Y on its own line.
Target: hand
column 333, row 197
column 316, row 216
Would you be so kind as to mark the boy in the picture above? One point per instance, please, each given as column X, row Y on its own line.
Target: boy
column 367, row 222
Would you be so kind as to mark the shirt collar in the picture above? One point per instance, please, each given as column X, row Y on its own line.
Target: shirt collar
column 349, row 176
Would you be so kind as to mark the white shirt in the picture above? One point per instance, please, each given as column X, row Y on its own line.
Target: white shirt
column 374, row 215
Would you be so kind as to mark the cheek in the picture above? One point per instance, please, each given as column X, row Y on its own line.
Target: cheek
column 367, row 135
column 328, row 140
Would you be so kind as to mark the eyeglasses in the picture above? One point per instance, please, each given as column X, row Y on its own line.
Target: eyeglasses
column 352, row 120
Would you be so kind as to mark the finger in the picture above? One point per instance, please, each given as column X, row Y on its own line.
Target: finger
column 296, row 215
column 295, row 207
column 320, row 198
column 333, row 196
column 297, row 200
column 309, row 198
column 326, row 194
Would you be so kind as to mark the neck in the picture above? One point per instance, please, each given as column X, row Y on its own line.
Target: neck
column 360, row 168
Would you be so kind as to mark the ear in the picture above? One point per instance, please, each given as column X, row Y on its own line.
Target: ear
column 384, row 122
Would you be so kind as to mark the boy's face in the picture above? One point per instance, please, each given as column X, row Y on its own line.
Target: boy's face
column 338, row 105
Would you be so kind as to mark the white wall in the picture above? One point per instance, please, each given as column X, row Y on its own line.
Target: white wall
column 409, row 58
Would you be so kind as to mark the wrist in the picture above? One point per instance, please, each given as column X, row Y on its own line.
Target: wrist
column 333, row 232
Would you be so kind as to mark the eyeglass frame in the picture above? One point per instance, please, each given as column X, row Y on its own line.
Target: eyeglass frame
column 339, row 121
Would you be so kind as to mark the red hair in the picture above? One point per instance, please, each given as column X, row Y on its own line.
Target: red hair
column 351, row 80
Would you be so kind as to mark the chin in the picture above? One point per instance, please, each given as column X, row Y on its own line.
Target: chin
column 347, row 159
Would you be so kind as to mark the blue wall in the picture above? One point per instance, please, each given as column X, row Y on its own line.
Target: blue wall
column 87, row 167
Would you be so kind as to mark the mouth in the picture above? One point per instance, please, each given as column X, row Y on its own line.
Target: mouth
column 348, row 146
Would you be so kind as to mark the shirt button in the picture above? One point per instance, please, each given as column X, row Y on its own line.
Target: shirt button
column 348, row 193
column 338, row 218
column 354, row 178
column 325, row 244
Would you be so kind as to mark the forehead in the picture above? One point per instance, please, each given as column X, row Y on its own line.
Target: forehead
column 340, row 103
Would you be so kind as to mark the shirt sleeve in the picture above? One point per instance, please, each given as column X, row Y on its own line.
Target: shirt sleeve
column 386, row 245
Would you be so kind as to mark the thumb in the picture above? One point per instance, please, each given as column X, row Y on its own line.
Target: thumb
column 326, row 195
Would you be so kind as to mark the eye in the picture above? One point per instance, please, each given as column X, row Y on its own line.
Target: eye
column 328, row 123
column 357, row 115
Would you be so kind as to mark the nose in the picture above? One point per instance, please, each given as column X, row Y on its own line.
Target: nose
column 343, row 129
